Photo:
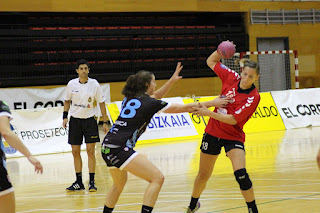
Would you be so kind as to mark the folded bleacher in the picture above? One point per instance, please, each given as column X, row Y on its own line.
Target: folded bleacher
column 41, row 48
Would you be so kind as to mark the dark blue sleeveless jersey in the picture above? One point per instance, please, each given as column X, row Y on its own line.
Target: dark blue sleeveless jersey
column 133, row 120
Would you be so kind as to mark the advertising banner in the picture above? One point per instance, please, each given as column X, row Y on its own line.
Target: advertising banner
column 266, row 117
column 298, row 108
column 40, row 130
column 31, row 98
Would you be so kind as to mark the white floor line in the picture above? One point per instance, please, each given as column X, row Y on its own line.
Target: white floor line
column 98, row 209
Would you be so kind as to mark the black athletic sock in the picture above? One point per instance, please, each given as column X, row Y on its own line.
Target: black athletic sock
column 193, row 203
column 107, row 209
column 252, row 207
column 79, row 177
column 92, row 176
column 146, row 209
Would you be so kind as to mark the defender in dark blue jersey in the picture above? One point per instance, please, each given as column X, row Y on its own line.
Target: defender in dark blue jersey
column 134, row 118
column 138, row 107
column 7, row 198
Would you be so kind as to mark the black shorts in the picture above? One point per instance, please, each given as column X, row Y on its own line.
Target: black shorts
column 5, row 184
column 212, row 145
column 117, row 157
column 86, row 127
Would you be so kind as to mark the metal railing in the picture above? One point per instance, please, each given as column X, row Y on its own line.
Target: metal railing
column 284, row 16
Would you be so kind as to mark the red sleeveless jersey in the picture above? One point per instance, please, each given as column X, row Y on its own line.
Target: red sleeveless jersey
column 243, row 105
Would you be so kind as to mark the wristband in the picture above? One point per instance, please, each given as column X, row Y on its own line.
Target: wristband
column 105, row 122
column 65, row 115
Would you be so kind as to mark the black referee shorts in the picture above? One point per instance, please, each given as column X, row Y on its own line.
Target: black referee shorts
column 212, row 145
column 83, row 127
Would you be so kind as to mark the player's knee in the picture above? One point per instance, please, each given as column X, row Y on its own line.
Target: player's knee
column 91, row 152
column 161, row 178
column 76, row 153
column 243, row 179
column 120, row 185
column 158, row 178
column 203, row 176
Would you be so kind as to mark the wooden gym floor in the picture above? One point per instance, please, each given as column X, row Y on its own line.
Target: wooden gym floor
column 281, row 165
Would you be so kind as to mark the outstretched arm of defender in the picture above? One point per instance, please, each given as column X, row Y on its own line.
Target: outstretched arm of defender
column 178, row 108
column 160, row 93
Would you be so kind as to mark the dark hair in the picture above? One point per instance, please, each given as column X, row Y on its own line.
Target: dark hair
column 82, row 61
column 250, row 63
column 137, row 84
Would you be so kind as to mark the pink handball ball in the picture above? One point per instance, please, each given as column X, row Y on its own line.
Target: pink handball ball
column 226, row 49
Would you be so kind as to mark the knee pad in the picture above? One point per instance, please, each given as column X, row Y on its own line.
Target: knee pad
column 243, row 179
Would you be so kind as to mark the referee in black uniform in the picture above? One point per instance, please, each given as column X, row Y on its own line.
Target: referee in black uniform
column 80, row 95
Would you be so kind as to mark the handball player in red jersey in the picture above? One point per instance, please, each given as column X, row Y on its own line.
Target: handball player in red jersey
column 225, row 127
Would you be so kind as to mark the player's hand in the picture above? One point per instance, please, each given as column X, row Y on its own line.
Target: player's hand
column 37, row 165
column 176, row 74
column 221, row 101
column 232, row 43
column 192, row 106
column 105, row 128
column 65, row 122
column 201, row 110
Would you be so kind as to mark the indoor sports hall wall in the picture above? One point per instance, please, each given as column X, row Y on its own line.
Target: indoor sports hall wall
column 302, row 37
column 150, row 6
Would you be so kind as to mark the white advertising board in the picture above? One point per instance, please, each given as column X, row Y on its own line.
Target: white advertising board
column 298, row 108
column 40, row 130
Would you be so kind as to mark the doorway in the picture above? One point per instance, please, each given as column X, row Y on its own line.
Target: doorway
column 274, row 68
